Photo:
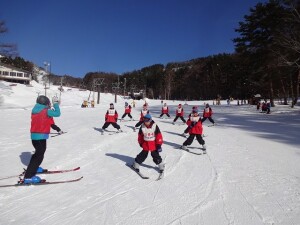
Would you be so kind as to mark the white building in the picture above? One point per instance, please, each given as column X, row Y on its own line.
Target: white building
column 13, row 74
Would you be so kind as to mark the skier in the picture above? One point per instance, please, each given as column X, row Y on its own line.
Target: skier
column 111, row 117
column 186, row 131
column 179, row 114
column 41, row 121
column 196, row 129
column 207, row 113
column 150, row 139
column 127, row 111
column 164, row 110
column 144, row 111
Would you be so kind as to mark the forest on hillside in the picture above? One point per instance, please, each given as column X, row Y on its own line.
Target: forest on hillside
column 266, row 61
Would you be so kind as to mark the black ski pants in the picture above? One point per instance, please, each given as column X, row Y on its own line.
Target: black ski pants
column 168, row 115
column 209, row 118
column 115, row 125
column 190, row 139
column 181, row 117
column 37, row 158
column 141, row 157
column 127, row 114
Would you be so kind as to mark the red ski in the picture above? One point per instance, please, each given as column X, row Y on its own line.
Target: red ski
column 44, row 172
column 44, row 182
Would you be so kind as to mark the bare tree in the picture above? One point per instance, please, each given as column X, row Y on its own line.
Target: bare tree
column 7, row 49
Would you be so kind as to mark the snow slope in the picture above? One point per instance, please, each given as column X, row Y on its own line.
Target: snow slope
column 249, row 176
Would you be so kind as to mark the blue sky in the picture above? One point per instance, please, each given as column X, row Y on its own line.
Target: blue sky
column 120, row 36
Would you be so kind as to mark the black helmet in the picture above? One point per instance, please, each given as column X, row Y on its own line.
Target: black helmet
column 43, row 100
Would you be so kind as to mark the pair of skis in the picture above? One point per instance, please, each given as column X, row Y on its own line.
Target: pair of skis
column 44, row 182
column 160, row 176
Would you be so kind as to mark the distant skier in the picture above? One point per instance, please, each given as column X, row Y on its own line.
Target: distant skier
column 164, row 110
column 195, row 130
column 207, row 113
column 111, row 117
column 150, row 139
column 179, row 114
column 144, row 111
column 41, row 121
column 127, row 111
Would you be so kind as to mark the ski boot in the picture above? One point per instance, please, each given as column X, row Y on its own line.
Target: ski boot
column 136, row 166
column 184, row 147
column 40, row 170
column 32, row 180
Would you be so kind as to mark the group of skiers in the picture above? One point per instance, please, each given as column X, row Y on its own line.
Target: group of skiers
column 150, row 137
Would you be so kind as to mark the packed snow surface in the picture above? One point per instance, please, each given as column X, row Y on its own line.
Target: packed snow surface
column 249, row 176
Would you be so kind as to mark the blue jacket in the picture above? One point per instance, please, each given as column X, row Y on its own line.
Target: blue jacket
column 51, row 113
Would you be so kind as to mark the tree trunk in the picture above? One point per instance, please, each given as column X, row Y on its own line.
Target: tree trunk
column 271, row 94
column 284, row 93
column 295, row 100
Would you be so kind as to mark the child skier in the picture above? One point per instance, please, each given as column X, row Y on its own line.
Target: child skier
column 164, row 110
column 196, row 129
column 127, row 111
column 207, row 113
column 186, row 131
column 111, row 117
column 150, row 139
column 144, row 111
column 41, row 120
column 179, row 114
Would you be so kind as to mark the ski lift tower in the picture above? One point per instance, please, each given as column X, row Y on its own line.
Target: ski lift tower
column 97, row 82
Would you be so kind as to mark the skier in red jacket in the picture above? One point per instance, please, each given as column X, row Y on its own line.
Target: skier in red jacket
column 196, row 129
column 144, row 112
column 164, row 110
column 179, row 114
column 150, row 139
column 207, row 113
column 111, row 117
column 41, row 121
column 127, row 111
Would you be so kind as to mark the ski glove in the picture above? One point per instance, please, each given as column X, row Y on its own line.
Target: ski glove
column 55, row 99
column 158, row 148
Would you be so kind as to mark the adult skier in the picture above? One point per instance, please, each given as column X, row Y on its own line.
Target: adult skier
column 111, row 118
column 41, row 121
column 150, row 139
column 196, row 129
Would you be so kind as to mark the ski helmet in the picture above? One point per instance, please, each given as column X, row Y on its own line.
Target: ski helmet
column 126, row 103
column 43, row 100
column 147, row 118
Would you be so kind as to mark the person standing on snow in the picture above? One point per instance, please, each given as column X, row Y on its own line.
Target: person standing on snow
column 111, row 117
column 144, row 112
column 127, row 111
column 150, row 139
column 164, row 110
column 179, row 114
column 207, row 113
column 186, row 131
column 41, row 121
column 196, row 129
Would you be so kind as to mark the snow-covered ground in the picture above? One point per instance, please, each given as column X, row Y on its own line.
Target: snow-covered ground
column 249, row 176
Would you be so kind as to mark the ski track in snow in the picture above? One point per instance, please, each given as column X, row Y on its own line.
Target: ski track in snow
column 249, row 176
